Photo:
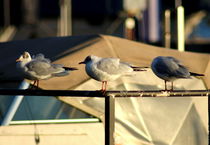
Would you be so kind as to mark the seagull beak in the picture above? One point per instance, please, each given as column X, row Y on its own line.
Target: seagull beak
column 82, row 62
column 18, row 60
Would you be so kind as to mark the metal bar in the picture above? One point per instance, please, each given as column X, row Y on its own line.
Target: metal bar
column 177, row 93
column 14, row 106
column 109, row 119
column 70, row 93
column 180, row 28
column 167, row 28
column 57, row 121
column 86, row 93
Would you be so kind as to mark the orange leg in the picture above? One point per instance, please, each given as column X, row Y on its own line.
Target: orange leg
column 36, row 83
column 165, row 85
column 104, row 84
column 172, row 86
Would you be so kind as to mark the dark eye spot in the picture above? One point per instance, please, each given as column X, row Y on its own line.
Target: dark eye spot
column 87, row 59
column 25, row 55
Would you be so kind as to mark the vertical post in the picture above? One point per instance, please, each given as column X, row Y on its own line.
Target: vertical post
column 154, row 21
column 109, row 119
column 14, row 106
column 6, row 12
column 167, row 29
column 130, row 28
column 65, row 18
column 180, row 26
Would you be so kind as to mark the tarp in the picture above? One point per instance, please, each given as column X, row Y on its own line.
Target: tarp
column 53, row 134
column 159, row 121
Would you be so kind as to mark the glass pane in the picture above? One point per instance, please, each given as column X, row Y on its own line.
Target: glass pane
column 5, row 102
column 46, row 107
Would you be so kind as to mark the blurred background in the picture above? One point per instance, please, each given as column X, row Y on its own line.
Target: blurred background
column 153, row 22
column 148, row 21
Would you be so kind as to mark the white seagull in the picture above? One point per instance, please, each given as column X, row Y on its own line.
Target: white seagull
column 169, row 69
column 40, row 68
column 107, row 69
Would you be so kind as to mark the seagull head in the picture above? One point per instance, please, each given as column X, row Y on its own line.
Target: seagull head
column 89, row 59
column 25, row 57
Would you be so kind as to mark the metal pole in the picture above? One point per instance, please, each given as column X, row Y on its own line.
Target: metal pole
column 180, row 26
column 65, row 18
column 129, row 28
column 109, row 119
column 6, row 13
column 154, row 21
column 14, row 106
column 167, row 28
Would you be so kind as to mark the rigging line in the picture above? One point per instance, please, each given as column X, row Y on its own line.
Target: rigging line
column 30, row 115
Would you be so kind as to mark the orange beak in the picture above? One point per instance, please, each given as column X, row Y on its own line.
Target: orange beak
column 18, row 60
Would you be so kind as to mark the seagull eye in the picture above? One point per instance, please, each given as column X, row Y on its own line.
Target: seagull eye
column 25, row 55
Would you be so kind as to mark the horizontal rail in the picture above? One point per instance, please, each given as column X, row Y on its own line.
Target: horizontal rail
column 161, row 93
column 70, row 93
column 55, row 121
column 85, row 93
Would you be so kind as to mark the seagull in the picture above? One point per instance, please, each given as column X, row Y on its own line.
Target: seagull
column 40, row 68
column 107, row 69
column 169, row 69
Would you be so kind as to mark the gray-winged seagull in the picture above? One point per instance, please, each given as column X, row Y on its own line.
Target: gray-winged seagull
column 169, row 69
column 107, row 69
column 40, row 68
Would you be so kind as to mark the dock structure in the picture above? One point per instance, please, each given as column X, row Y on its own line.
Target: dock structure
column 109, row 100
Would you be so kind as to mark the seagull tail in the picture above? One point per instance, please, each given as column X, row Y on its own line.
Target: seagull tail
column 196, row 74
column 65, row 72
column 61, row 74
column 139, row 68
column 70, row 68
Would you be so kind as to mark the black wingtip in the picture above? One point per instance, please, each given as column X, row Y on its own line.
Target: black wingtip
column 70, row 68
column 196, row 74
column 139, row 68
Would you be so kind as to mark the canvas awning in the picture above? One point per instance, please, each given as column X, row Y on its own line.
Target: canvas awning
column 71, row 50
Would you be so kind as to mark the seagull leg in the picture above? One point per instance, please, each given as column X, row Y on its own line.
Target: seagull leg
column 37, row 83
column 105, row 85
column 33, row 85
column 165, row 85
column 172, row 86
column 103, row 89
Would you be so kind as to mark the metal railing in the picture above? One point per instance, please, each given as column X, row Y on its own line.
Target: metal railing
column 109, row 100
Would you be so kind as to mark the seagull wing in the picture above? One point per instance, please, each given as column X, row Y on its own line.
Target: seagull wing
column 40, row 57
column 179, row 70
column 172, row 67
column 39, row 68
column 112, row 66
